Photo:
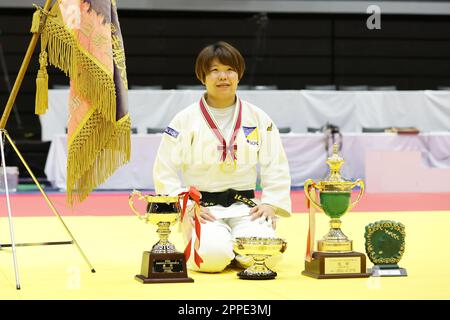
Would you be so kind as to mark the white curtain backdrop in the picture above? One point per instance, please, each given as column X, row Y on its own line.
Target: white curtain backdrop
column 428, row 111
column 306, row 154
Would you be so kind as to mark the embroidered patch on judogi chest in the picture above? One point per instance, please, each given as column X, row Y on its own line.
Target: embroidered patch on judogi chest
column 172, row 132
column 251, row 133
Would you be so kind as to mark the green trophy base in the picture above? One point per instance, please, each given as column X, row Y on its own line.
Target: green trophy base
column 163, row 268
column 333, row 265
column 387, row 270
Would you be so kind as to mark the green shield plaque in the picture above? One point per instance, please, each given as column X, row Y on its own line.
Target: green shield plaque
column 385, row 245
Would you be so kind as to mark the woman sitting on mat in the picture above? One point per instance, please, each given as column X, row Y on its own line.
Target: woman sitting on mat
column 217, row 144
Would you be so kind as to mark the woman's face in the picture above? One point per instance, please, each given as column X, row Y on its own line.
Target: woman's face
column 221, row 80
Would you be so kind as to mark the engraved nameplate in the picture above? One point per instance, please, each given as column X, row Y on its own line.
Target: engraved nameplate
column 167, row 266
column 342, row 265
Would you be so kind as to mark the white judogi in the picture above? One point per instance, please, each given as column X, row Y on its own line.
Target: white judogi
column 190, row 148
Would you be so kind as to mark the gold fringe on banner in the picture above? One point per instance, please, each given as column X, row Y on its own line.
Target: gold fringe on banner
column 82, row 176
column 101, row 144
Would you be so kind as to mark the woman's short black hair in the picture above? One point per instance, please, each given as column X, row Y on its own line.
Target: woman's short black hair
column 225, row 53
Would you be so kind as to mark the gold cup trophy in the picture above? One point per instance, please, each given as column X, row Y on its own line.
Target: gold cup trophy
column 334, row 257
column 260, row 249
column 163, row 263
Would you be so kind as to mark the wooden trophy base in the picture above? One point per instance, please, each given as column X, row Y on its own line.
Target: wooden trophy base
column 333, row 265
column 163, row 268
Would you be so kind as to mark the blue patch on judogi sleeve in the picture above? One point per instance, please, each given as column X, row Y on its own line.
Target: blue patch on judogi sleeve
column 172, row 132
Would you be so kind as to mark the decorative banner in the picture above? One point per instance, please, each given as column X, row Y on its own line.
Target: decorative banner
column 83, row 39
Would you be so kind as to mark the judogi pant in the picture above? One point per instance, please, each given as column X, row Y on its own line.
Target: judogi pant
column 216, row 245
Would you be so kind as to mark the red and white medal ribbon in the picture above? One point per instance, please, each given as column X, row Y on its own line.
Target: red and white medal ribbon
column 225, row 148
column 312, row 224
column 195, row 195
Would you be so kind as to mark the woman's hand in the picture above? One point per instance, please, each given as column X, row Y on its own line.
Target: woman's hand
column 264, row 212
column 204, row 214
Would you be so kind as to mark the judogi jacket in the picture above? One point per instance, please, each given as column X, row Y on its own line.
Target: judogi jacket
column 190, row 148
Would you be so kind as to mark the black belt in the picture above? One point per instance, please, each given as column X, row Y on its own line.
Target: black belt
column 227, row 198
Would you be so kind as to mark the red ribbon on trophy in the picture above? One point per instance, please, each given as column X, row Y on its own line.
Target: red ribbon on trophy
column 312, row 223
column 195, row 195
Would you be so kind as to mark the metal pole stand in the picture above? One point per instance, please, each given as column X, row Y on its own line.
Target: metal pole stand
column 4, row 134
column 8, row 204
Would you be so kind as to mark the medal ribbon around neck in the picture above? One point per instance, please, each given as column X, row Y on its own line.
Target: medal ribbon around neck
column 231, row 147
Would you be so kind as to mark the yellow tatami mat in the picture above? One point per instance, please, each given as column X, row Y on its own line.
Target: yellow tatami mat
column 114, row 246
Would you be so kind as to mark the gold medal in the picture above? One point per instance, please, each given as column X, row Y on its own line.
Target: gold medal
column 228, row 166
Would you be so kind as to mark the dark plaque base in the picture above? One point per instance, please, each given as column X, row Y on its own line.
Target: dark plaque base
column 163, row 268
column 387, row 270
column 330, row 265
